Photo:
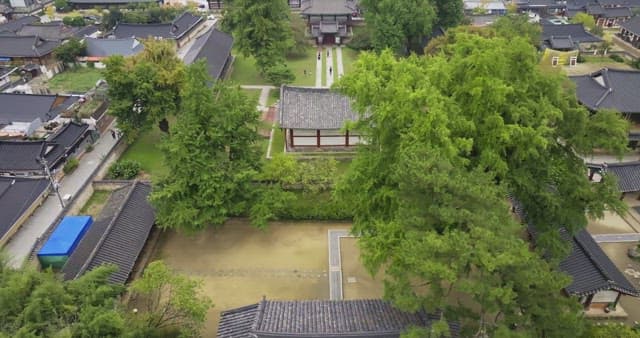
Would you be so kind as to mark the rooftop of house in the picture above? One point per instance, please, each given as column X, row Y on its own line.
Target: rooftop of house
column 16, row 196
column 314, row 108
column 322, row 318
column 117, row 236
column 494, row 5
column 627, row 174
column 15, row 25
column 28, row 107
column 26, row 46
column 609, row 88
column 99, row 2
column 327, row 7
column 54, row 30
column 576, row 32
column 107, row 47
column 632, row 25
column 533, row 4
column 214, row 46
column 172, row 30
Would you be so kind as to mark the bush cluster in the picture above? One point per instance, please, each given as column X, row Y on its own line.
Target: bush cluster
column 616, row 58
column 70, row 166
column 124, row 170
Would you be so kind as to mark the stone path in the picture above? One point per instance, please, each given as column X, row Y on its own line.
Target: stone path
column 319, row 70
column 329, row 69
column 335, row 263
column 339, row 60
column 264, row 94
column 21, row 244
column 616, row 238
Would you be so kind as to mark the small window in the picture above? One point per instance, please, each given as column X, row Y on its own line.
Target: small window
column 555, row 60
column 573, row 61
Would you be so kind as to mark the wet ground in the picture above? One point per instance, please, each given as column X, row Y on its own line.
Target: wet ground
column 240, row 264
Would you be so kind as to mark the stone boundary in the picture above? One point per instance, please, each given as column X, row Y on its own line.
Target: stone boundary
column 335, row 263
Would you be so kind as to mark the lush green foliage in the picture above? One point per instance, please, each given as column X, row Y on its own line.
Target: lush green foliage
column 141, row 13
column 144, row 89
column 262, row 29
column 70, row 166
column 361, row 39
column 74, row 21
column 68, row 51
column 449, row 13
column 517, row 25
column 279, row 74
column 585, row 19
column 212, row 155
column 299, row 35
column 611, row 330
column 124, row 170
column 170, row 300
column 448, row 136
column 61, row 5
column 616, row 58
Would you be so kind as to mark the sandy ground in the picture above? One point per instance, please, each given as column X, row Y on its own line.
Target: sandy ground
column 612, row 224
column 617, row 252
column 357, row 283
column 240, row 264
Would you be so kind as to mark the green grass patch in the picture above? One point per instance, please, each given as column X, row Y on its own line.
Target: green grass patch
column 323, row 72
column 334, row 64
column 253, row 95
column 145, row 150
column 343, row 166
column 95, row 203
column 245, row 71
column 274, row 96
column 277, row 146
column 299, row 64
column 80, row 79
column 349, row 57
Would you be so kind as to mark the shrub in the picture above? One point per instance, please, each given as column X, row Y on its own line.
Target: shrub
column 89, row 148
column 616, row 58
column 124, row 170
column 580, row 58
column 361, row 39
column 636, row 64
column 70, row 166
column 279, row 74
column 75, row 21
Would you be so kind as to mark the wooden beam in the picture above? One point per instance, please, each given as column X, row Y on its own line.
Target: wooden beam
column 318, row 138
column 290, row 136
column 346, row 139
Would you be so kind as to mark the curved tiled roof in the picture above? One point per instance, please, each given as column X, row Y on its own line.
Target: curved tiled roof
column 214, row 46
column 609, row 88
column 314, row 108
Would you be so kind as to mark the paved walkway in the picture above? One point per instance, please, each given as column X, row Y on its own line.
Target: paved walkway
column 319, row 69
column 20, row 245
column 335, row 264
column 339, row 61
column 329, row 69
column 616, row 238
column 264, row 94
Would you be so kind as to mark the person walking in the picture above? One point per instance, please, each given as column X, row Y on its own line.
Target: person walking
column 113, row 134
column 305, row 72
column 330, row 70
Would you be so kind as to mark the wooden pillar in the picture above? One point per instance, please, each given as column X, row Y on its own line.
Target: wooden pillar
column 622, row 196
column 346, row 139
column 318, row 137
column 592, row 172
column 290, row 137
column 587, row 303
column 615, row 303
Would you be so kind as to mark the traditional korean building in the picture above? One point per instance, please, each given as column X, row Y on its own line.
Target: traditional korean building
column 214, row 47
column 329, row 21
column 182, row 29
column 630, row 31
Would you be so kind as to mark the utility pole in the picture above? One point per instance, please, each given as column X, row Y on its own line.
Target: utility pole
column 43, row 161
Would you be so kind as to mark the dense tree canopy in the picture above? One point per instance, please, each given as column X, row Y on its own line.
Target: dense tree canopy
column 211, row 155
column 144, row 89
column 449, row 13
column 449, row 136
column 69, row 51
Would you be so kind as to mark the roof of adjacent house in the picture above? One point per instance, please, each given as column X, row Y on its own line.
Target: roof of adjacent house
column 627, row 174
column 576, row 31
column 322, row 318
column 16, row 196
column 100, row 2
column 320, row 7
column 561, row 42
column 64, row 139
column 484, row 4
column 632, row 25
column 538, row 4
column 15, row 25
column 314, row 108
column 26, row 46
column 617, row 12
column 117, row 236
column 609, row 88
column 108, row 47
column 28, row 107
column 214, row 46
column 591, row 269
column 173, row 30
column 54, row 30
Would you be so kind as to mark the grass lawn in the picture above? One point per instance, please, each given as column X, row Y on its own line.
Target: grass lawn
column 80, row 80
column 95, row 203
column 274, row 96
column 145, row 150
column 245, row 71
column 349, row 57
column 277, row 146
column 300, row 64
column 253, row 94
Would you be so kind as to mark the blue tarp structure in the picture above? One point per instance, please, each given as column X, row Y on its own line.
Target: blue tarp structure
column 63, row 241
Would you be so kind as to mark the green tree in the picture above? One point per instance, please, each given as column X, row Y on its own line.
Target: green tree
column 170, row 300
column 449, row 13
column 300, row 44
column 448, row 136
column 70, row 50
column 144, row 89
column 585, row 19
column 279, row 74
column 211, row 153
column 61, row 5
column 517, row 25
column 74, row 21
column 401, row 25
column 611, row 330
column 262, row 29
column 111, row 17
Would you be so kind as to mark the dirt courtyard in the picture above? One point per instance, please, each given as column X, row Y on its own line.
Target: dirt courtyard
column 357, row 283
column 240, row 264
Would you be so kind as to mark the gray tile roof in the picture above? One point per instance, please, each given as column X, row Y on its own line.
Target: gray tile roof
column 561, row 42
column 54, row 30
column 26, row 46
column 108, row 47
column 15, row 25
column 66, row 140
column 19, row 156
column 609, row 88
column 617, row 12
column 322, row 318
column 108, row 2
column 16, row 196
column 627, row 174
column 576, row 31
column 314, row 108
column 28, row 107
column 118, row 235
column 591, row 269
column 214, row 46
column 320, row 7
column 632, row 25
column 174, row 30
